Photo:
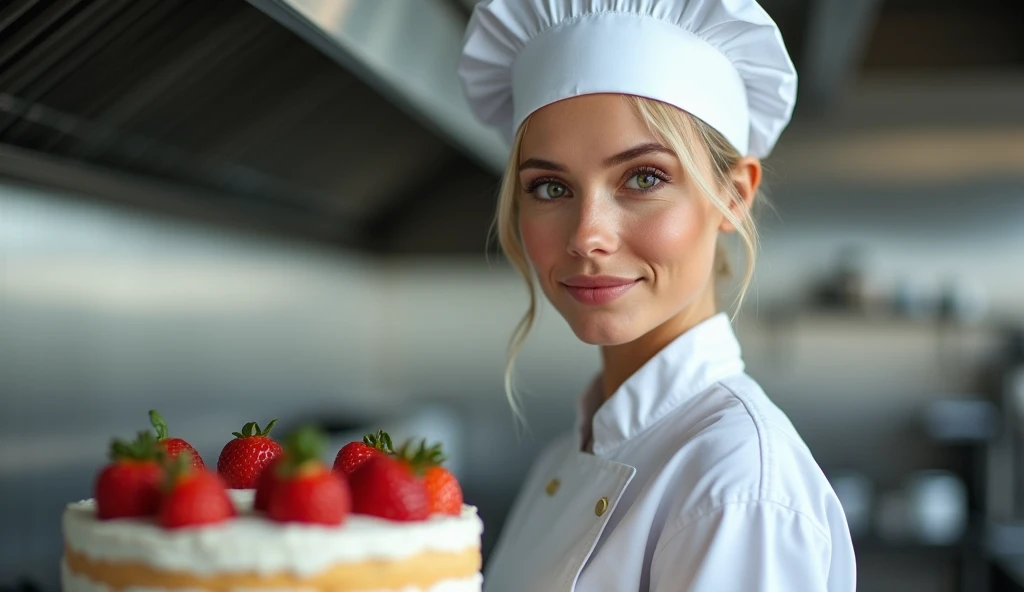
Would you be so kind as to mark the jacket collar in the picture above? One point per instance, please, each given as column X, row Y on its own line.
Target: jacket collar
column 686, row 367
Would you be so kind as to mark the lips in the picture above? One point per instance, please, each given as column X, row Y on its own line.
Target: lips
column 598, row 289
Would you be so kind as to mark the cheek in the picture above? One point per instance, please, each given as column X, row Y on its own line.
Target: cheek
column 542, row 241
column 679, row 241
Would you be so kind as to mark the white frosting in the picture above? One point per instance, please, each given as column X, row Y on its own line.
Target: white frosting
column 250, row 543
column 72, row 582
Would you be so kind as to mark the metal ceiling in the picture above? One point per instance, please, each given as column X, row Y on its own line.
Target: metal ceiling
column 220, row 105
column 409, row 51
column 219, row 110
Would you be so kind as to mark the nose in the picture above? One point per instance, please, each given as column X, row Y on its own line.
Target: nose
column 595, row 230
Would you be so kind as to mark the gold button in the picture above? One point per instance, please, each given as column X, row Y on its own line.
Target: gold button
column 553, row 486
column 601, row 507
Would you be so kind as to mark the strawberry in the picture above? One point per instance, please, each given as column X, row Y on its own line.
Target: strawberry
column 354, row 454
column 194, row 497
column 243, row 458
column 385, row 487
column 173, row 446
column 443, row 491
column 130, row 485
column 444, row 495
column 304, row 489
column 267, row 482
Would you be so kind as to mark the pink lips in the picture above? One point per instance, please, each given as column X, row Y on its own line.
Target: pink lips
column 597, row 289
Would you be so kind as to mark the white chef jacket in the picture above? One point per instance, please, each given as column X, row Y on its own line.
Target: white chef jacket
column 696, row 481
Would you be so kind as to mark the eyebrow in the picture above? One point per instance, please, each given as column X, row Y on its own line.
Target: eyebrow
column 638, row 151
column 622, row 157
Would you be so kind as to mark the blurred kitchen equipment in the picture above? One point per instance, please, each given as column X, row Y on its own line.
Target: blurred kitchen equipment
column 1004, row 465
column 936, row 504
column 930, row 508
column 962, row 301
column 22, row 585
column 913, row 299
column 847, row 286
column 968, row 419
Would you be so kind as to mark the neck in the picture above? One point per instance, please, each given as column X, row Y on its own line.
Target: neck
column 622, row 361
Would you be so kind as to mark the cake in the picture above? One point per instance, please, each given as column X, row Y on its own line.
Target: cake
column 272, row 518
column 250, row 552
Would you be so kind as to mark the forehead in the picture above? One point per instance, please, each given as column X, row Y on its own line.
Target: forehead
column 591, row 126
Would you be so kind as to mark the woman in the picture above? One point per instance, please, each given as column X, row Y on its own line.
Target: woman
column 637, row 128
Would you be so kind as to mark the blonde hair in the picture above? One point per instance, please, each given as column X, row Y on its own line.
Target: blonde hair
column 682, row 133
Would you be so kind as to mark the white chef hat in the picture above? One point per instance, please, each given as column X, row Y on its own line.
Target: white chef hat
column 722, row 61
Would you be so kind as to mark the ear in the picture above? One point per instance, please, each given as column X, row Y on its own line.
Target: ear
column 745, row 178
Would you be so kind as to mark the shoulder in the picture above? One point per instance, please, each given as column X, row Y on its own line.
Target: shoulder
column 740, row 451
column 745, row 489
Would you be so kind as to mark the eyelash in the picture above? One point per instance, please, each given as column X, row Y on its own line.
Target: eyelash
column 641, row 170
column 535, row 185
column 652, row 171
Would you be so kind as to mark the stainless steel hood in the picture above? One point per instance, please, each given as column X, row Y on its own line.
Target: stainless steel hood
column 408, row 51
column 215, row 111
column 342, row 121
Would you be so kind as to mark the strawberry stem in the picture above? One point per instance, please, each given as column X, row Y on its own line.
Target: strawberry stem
column 158, row 424
column 422, row 457
column 380, row 441
column 252, row 430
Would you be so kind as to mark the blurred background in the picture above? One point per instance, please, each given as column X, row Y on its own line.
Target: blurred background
column 232, row 211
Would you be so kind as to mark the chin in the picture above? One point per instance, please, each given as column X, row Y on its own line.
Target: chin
column 604, row 330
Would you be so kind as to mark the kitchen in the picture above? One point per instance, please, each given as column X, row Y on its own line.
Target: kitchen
column 243, row 211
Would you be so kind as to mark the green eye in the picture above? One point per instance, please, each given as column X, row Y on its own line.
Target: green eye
column 552, row 190
column 646, row 180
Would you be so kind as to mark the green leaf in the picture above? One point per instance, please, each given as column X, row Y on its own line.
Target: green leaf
column 248, row 428
column 143, row 447
column 307, row 442
column 118, row 449
column 304, row 445
column 381, row 441
column 158, row 424
column 175, row 468
column 419, row 456
column 236, row 434
column 266, row 431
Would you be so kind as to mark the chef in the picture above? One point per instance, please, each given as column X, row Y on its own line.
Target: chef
column 637, row 129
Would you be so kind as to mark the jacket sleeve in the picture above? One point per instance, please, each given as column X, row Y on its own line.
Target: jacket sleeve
column 753, row 546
